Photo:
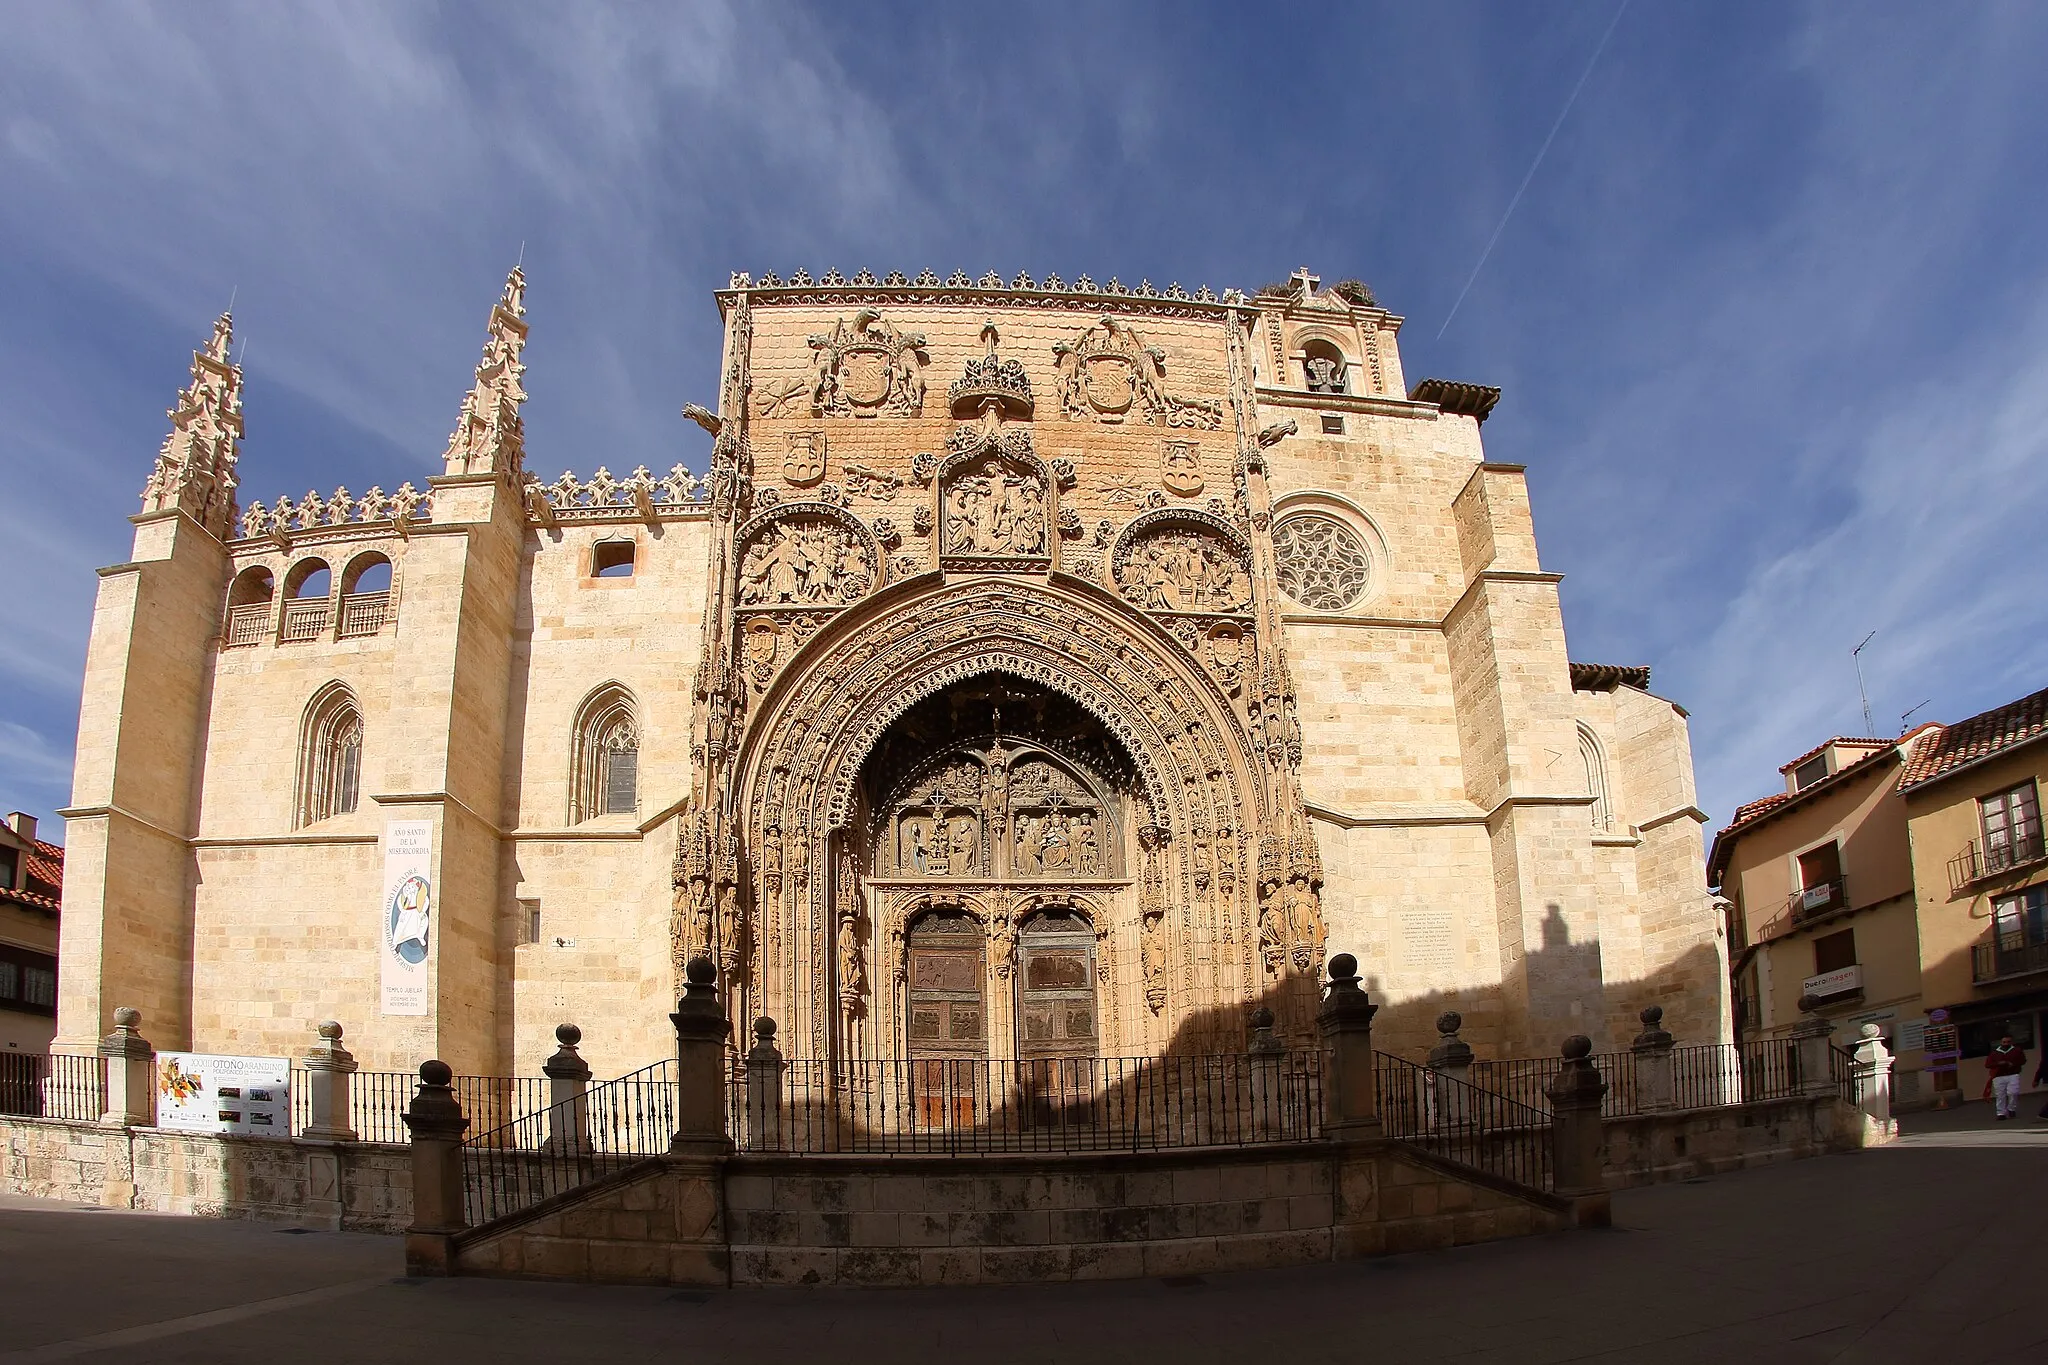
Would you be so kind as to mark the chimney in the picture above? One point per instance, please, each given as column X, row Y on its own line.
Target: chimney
column 24, row 825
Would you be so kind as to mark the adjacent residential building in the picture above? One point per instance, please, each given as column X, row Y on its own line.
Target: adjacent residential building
column 1973, row 805
column 1820, row 881
column 31, row 883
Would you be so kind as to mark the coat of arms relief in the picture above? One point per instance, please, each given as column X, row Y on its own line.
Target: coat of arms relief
column 1108, row 372
column 865, row 367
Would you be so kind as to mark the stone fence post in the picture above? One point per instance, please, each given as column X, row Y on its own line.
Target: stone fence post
column 1344, row 1022
column 568, row 1093
column 1874, row 1082
column 435, row 1123
column 1266, row 1061
column 764, row 1089
column 1811, row 1050
column 701, row 1033
column 131, row 1073
column 1577, row 1162
column 1450, row 1098
column 1656, row 1077
column 329, row 1066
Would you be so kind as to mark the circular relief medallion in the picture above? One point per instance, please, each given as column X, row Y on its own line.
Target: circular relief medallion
column 1322, row 562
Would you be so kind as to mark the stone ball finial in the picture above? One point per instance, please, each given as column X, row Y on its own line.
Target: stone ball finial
column 1578, row 1047
column 436, row 1072
column 568, row 1035
column 1808, row 1004
column 1449, row 1022
column 1343, row 967
column 1262, row 1017
column 127, row 1017
column 764, row 1029
column 700, row 971
column 1652, row 1016
column 1871, row 1030
column 329, row 1029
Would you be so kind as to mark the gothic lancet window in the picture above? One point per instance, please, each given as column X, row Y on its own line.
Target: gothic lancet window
column 607, row 760
column 330, row 756
column 1596, row 778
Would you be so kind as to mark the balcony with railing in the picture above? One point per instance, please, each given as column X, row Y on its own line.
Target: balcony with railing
column 1981, row 860
column 1808, row 905
column 247, row 624
column 2006, row 955
column 363, row 613
column 305, row 619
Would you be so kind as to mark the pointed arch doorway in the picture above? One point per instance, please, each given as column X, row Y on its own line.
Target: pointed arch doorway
column 996, row 829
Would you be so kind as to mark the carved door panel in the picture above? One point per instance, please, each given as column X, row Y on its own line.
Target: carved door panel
column 1057, row 1033
column 948, row 1022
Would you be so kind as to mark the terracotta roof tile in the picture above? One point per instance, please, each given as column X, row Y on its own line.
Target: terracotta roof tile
column 43, row 864
column 1982, row 736
column 1852, row 741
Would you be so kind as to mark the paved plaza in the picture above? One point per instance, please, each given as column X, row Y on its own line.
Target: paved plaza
column 1929, row 1250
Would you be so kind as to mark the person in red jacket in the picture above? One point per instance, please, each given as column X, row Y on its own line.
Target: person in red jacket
column 2003, row 1066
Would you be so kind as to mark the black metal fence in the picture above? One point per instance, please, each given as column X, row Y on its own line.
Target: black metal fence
column 515, row 1165
column 377, row 1101
column 1471, row 1125
column 52, row 1087
column 1066, row 1104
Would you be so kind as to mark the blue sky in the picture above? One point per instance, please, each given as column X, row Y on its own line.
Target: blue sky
column 1772, row 317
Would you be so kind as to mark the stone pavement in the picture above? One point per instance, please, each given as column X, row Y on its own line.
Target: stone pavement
column 1929, row 1250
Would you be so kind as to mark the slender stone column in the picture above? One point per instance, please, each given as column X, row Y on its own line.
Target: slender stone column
column 1874, row 1083
column 1810, row 1046
column 329, row 1067
column 1451, row 1060
column 1267, row 1060
column 1344, row 1022
column 436, row 1124
column 131, row 1073
column 568, row 1093
column 1656, row 1082
column 764, row 1089
column 701, row 1033
column 1577, row 1162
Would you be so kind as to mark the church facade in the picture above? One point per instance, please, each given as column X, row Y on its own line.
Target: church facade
column 1037, row 669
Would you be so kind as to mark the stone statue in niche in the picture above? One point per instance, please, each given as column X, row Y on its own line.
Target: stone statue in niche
column 993, row 510
column 1184, row 570
column 864, row 367
column 853, row 967
column 804, row 561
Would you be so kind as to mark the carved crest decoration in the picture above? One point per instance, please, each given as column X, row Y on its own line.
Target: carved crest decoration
column 1109, row 373
column 865, row 367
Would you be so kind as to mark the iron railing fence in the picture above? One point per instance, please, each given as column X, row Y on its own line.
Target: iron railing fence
column 1979, row 860
column 34, row 1085
column 1526, row 1080
column 1065, row 1104
column 2008, row 954
column 1462, row 1122
column 377, row 1101
column 515, row 1165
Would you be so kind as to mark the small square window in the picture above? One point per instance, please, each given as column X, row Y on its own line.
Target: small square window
column 1809, row 772
column 612, row 559
column 529, row 921
column 1333, row 425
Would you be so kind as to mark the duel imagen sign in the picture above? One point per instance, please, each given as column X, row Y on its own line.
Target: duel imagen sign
column 406, row 921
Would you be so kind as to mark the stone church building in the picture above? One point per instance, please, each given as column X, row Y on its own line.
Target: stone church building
column 1038, row 669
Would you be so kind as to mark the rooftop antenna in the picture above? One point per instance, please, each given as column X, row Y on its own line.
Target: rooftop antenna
column 1907, row 714
column 1869, row 729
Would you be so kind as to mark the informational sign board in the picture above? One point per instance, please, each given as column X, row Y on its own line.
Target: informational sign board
column 406, row 915
column 1912, row 1035
column 202, row 1092
column 1944, row 1052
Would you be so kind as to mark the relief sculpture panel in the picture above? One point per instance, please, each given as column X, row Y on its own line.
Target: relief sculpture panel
column 1180, row 567
column 804, row 559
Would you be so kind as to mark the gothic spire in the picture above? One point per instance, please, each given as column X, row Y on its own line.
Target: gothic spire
column 488, row 437
column 195, row 469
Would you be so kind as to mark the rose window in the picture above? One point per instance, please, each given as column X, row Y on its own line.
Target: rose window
column 1322, row 562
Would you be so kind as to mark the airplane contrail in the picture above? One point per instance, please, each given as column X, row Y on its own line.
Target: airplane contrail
column 1570, row 100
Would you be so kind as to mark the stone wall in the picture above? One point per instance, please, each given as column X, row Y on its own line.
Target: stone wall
column 362, row 1187
column 998, row 1219
column 1652, row 1149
